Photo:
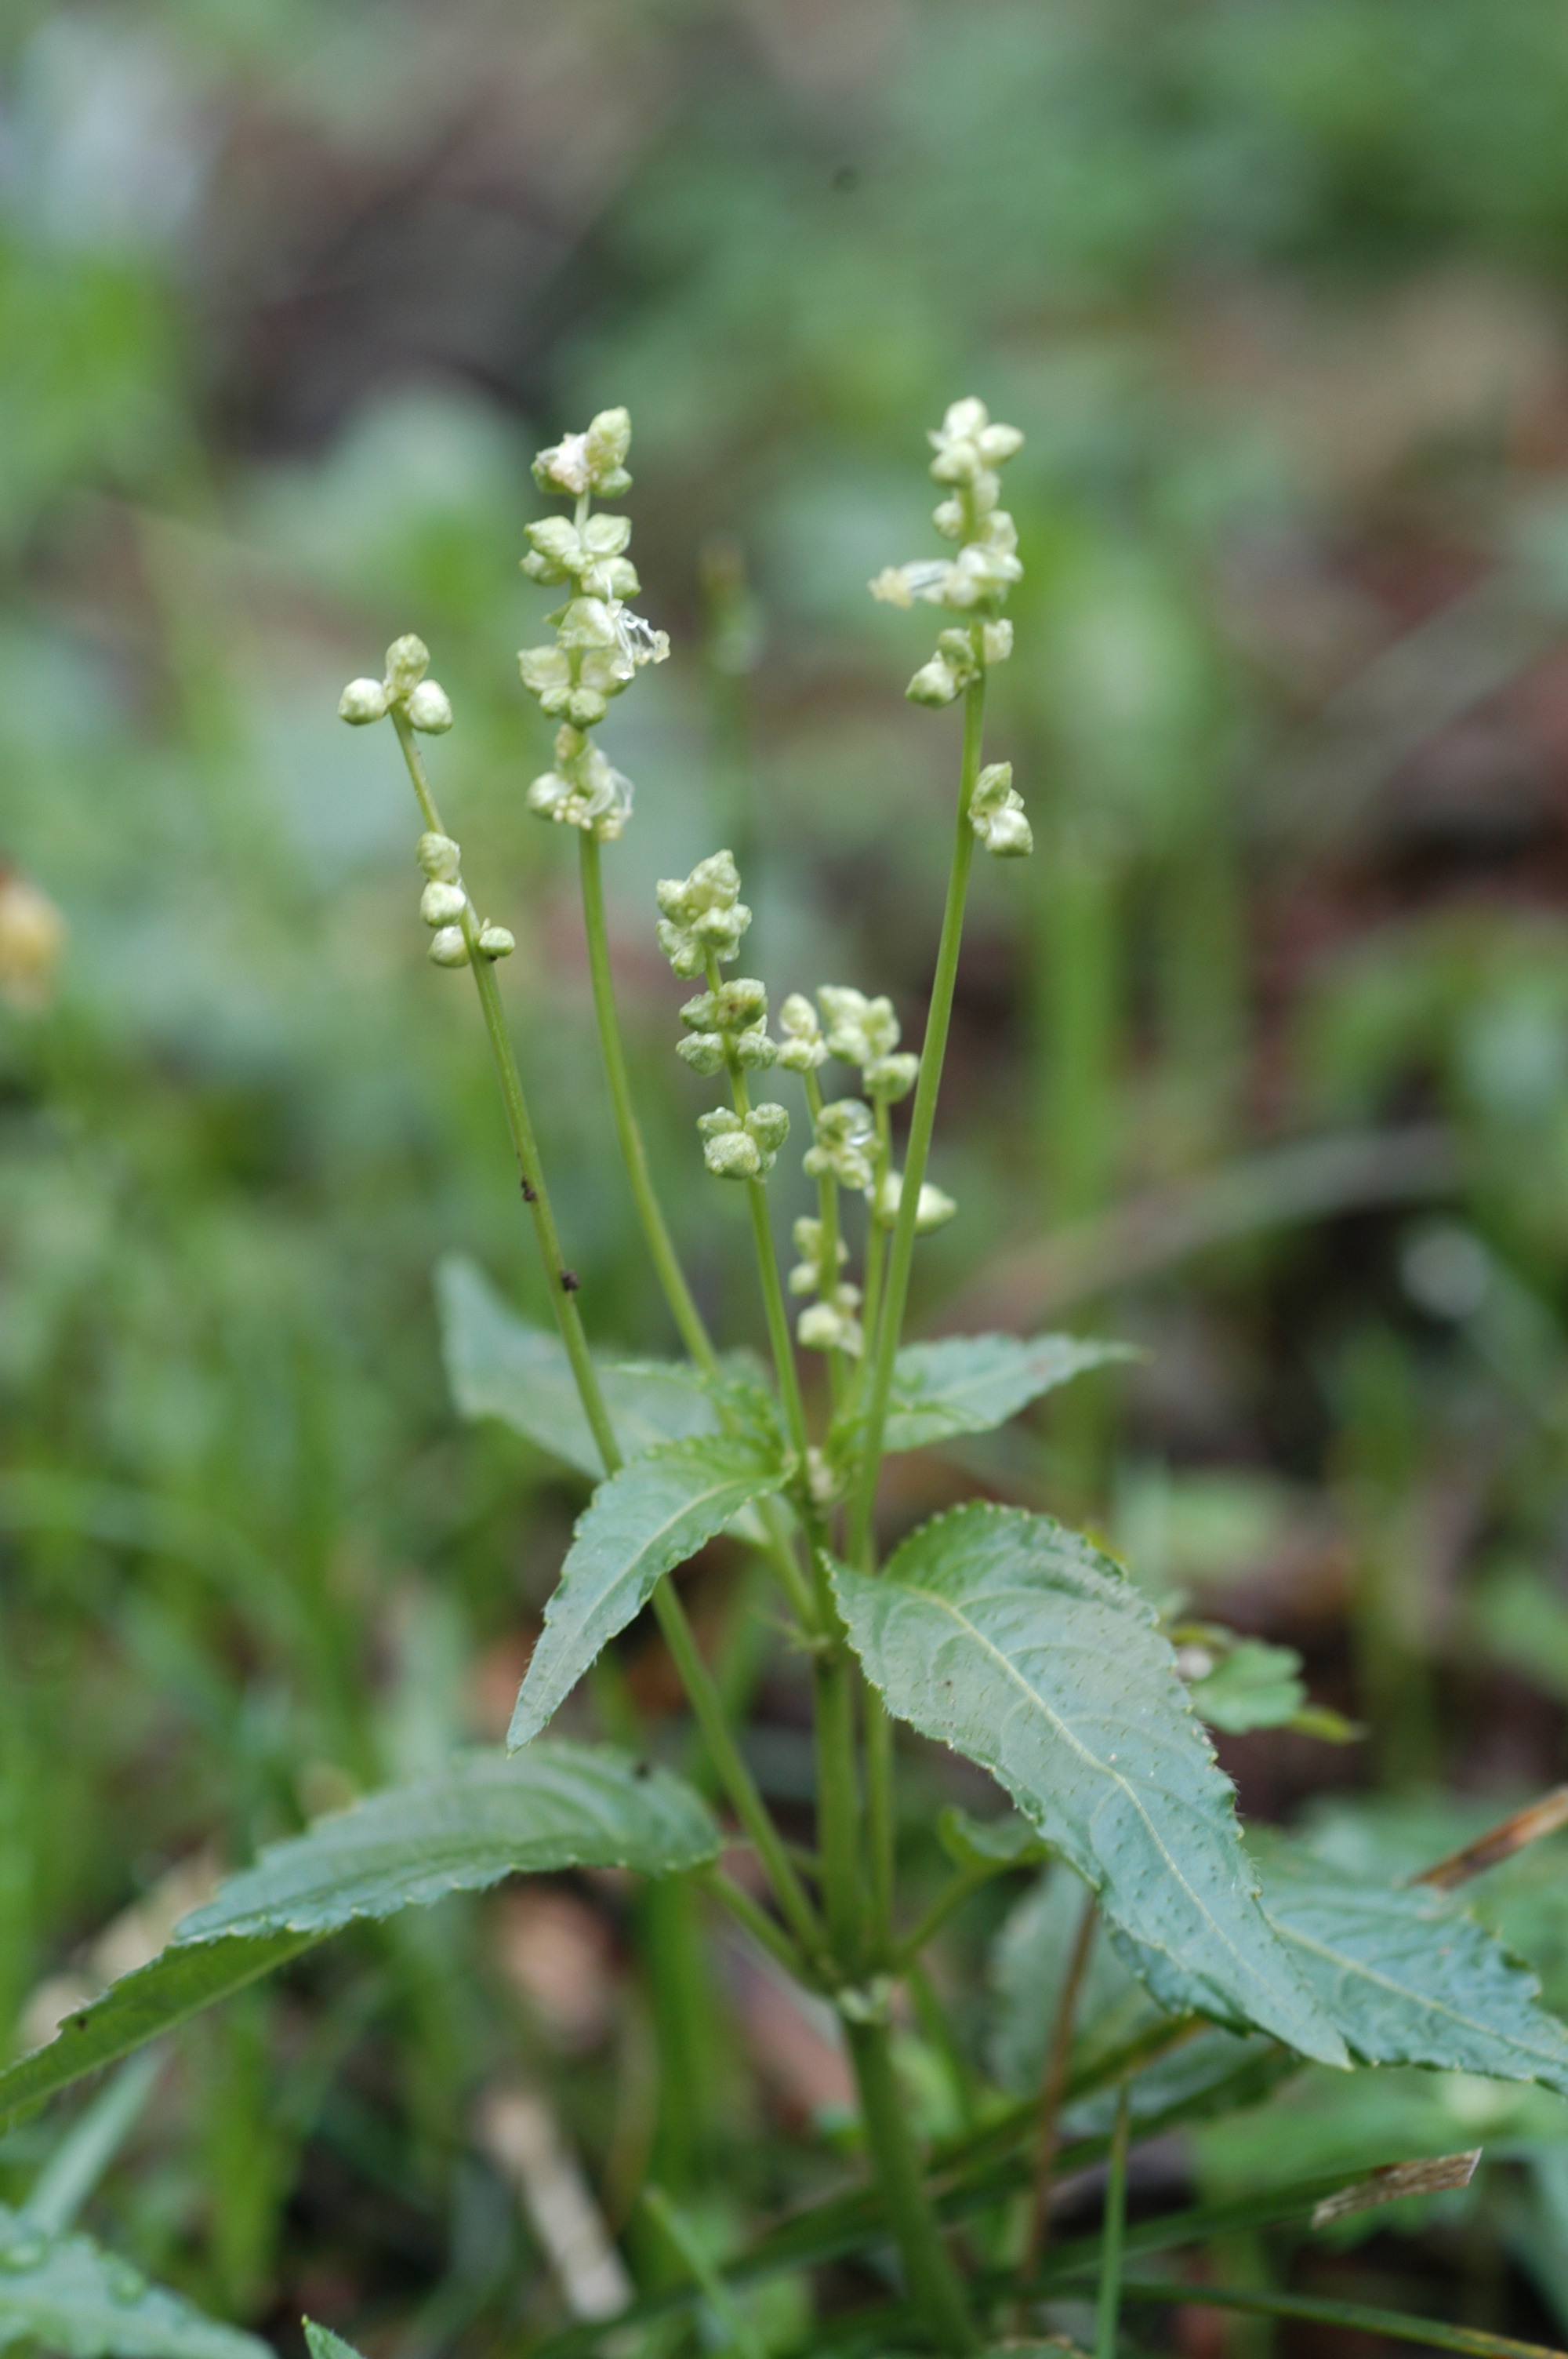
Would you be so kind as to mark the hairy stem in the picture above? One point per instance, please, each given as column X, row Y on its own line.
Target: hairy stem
column 922, row 1122
column 934, row 2285
column 562, row 1281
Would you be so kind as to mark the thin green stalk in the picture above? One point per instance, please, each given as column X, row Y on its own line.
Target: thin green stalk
column 922, row 1123
column 750, row 1808
column 1431, row 2333
column 562, row 1281
column 1058, row 2054
column 837, row 1804
column 758, row 1923
column 773, row 1304
column 725, row 2308
column 1108, row 2313
column 881, row 1827
column 694, row 1333
column 934, row 2286
column 947, row 1901
column 672, row 1277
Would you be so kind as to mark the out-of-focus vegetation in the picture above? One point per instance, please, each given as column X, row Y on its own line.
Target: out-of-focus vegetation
column 287, row 295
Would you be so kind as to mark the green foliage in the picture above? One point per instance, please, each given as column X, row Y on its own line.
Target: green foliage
column 553, row 1806
column 1027, row 1650
column 1251, row 1686
column 66, row 2293
column 654, row 1514
column 322, row 2343
column 498, row 1365
column 968, row 1383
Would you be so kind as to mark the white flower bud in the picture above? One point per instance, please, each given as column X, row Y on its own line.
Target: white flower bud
column 1008, row 834
column 442, row 904
column 701, row 916
column 497, row 941
column 407, row 661
column 858, row 1028
column 769, row 1125
column 888, row 1079
column 933, row 684
column 932, row 1211
column 703, row 1051
column 440, row 857
column 996, row 642
column 734, row 1155
column 448, row 949
column 752, row 1050
column 844, row 1145
column 996, row 813
column 820, row 1328
column 362, row 701
column 429, row 709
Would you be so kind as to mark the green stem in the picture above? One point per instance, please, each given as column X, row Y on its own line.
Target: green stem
column 1431, row 2333
column 774, row 1303
column 671, row 1276
column 880, row 1818
column 758, row 1923
column 951, row 1898
column 837, row 1804
column 1108, row 2313
column 737, row 1779
column 725, row 2308
column 922, row 1123
column 1058, row 2054
column 934, row 2286
column 562, row 1281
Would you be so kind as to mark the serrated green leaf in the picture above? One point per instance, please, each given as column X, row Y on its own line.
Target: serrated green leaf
column 968, row 1383
column 69, row 2294
column 658, row 1510
column 322, row 2343
column 500, row 1365
column 1410, row 1978
column 1251, row 1686
column 176, row 1984
column 554, row 1806
column 1014, row 1641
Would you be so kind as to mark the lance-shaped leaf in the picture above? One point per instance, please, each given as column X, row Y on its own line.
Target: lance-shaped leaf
column 499, row 1365
column 1024, row 1649
column 69, row 2295
column 1410, row 1978
column 658, row 1510
column 966, row 1383
column 556, row 1805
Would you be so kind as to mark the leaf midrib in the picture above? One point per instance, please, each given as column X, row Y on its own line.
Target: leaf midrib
column 1116, row 1776
column 1405, row 1992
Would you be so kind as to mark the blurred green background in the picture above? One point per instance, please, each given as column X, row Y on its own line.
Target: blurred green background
column 1262, row 1059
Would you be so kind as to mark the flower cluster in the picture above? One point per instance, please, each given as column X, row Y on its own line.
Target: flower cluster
column 702, row 916
column 727, row 1027
column 702, row 922
column 404, row 691
column 444, row 904
column 846, row 1145
column 974, row 584
column 865, row 1032
column 600, row 645
column 829, row 1325
column 933, row 1211
column 742, row 1146
column 996, row 813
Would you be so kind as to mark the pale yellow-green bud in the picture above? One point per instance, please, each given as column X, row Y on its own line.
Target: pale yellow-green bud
column 429, row 709
column 888, row 1078
column 996, row 641
column 844, row 1145
column 362, row 701
column 996, row 813
column 803, row 1048
column 732, row 1155
column 407, row 661
column 590, row 461
column 701, row 915
column 442, row 904
column 932, row 1211
column 440, row 857
column 858, row 1028
column 497, row 941
column 705, row 1052
column 448, row 949
column 933, row 684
